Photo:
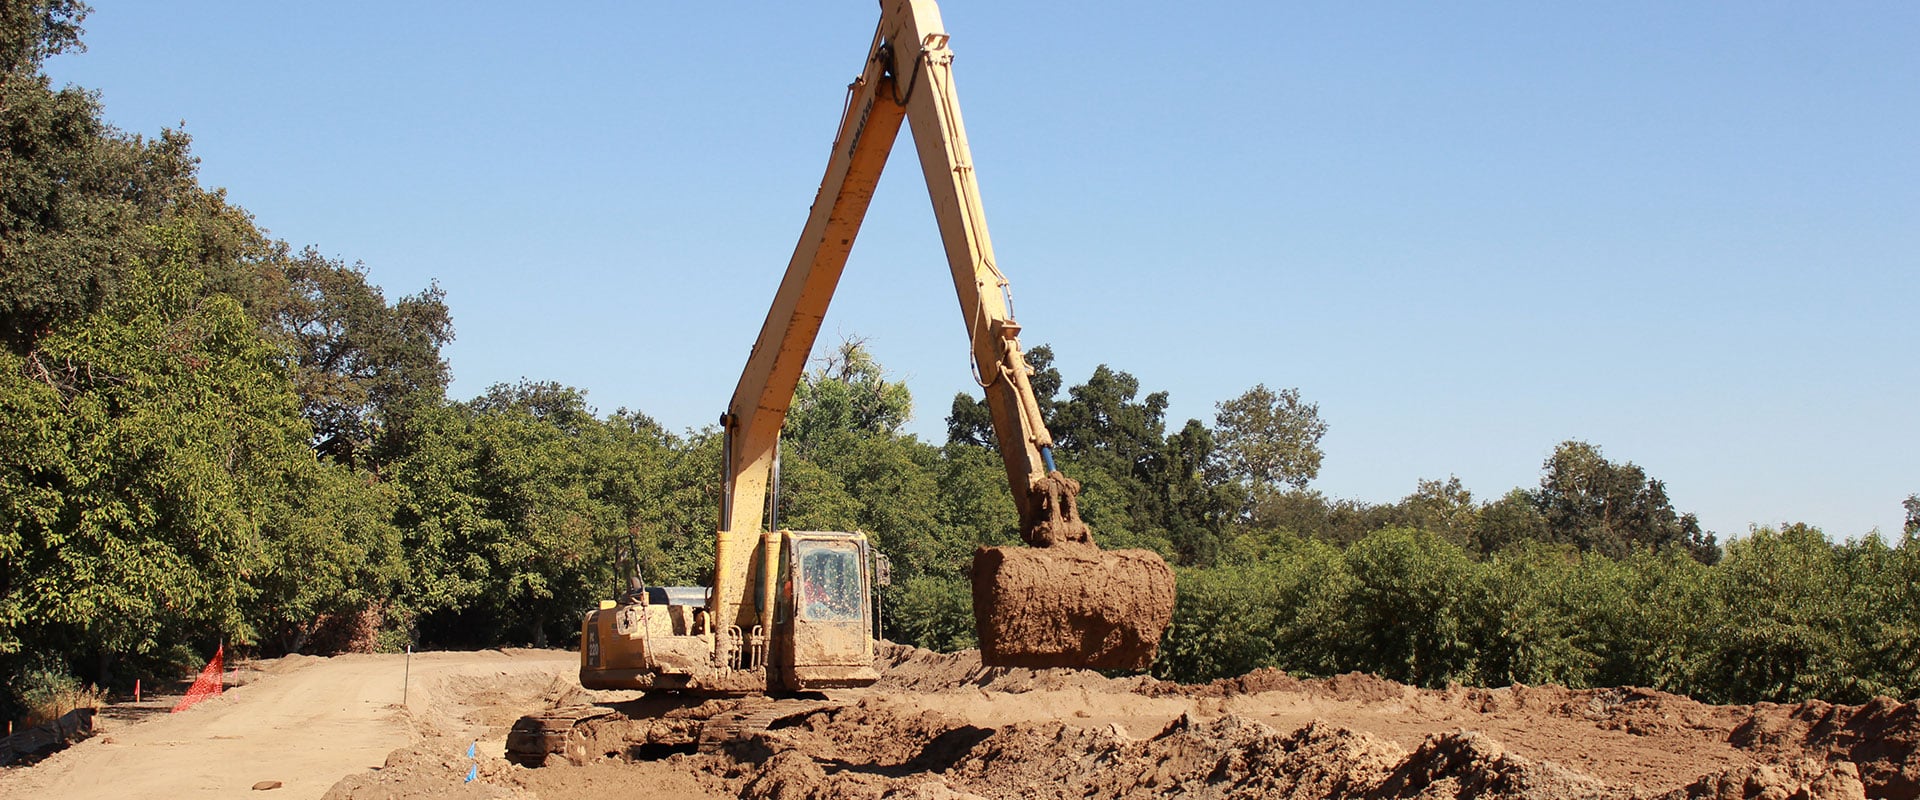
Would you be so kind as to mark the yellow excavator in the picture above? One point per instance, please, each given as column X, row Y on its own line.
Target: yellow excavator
column 789, row 611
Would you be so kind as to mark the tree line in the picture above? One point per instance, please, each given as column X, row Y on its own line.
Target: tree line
column 207, row 436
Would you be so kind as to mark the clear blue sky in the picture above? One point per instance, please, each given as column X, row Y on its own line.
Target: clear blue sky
column 1686, row 232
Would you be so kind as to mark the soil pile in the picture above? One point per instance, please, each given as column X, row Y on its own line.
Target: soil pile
column 911, row 669
column 878, row 749
column 465, row 709
column 947, row 726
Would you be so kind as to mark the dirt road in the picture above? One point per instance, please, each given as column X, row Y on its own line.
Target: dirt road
column 303, row 721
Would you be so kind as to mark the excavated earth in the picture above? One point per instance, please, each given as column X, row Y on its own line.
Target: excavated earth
column 943, row 726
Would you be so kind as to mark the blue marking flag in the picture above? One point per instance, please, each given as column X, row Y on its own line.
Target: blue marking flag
column 470, row 749
column 472, row 772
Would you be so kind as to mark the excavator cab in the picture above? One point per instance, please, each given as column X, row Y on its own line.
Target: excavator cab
column 821, row 636
column 824, row 617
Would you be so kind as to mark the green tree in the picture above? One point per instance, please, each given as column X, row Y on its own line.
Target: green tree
column 1649, row 616
column 813, row 497
column 848, row 394
column 1611, row 508
column 1513, row 519
column 148, row 446
column 1885, row 604
column 74, row 193
column 1103, row 421
column 970, row 422
column 31, row 31
column 1529, row 621
column 1282, row 607
column 521, row 531
column 1269, row 439
column 1310, row 513
column 1197, row 509
column 1445, row 508
column 891, row 493
column 632, row 476
column 441, row 515
column 1783, row 634
column 672, row 501
column 332, row 555
column 359, row 361
column 150, row 502
column 848, row 467
column 1141, row 487
column 1912, row 505
column 1114, row 442
column 974, row 506
column 931, row 612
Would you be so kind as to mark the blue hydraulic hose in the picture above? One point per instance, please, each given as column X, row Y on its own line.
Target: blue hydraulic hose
column 1046, row 457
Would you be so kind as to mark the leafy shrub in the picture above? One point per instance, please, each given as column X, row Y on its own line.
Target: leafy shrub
column 45, row 691
column 1408, row 613
column 1528, row 612
column 930, row 612
column 1284, row 607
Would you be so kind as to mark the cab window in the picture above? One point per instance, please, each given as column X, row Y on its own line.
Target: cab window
column 827, row 581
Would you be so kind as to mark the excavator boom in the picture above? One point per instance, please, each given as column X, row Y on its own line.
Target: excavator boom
column 1062, row 602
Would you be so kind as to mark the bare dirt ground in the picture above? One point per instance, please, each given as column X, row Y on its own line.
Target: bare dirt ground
column 299, row 720
column 942, row 726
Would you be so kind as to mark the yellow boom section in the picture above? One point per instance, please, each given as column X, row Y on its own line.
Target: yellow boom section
column 907, row 61
column 1098, row 609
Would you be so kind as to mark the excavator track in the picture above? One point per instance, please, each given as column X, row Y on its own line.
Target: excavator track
column 535, row 738
column 559, row 735
column 742, row 723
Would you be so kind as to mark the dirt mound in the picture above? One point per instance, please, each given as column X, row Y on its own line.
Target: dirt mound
column 874, row 750
column 437, row 768
column 1805, row 779
column 1466, row 764
column 1356, row 687
column 912, row 669
column 1641, row 712
column 1225, row 757
column 1661, row 745
column 463, row 702
column 1881, row 737
column 1265, row 679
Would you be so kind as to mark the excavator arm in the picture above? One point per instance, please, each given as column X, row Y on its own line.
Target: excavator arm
column 907, row 77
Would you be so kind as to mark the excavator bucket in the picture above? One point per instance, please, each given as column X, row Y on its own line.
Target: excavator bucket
column 1076, row 606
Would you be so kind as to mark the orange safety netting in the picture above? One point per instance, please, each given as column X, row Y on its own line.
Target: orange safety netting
column 211, row 681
